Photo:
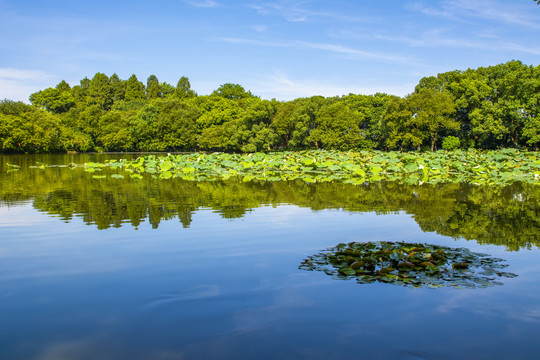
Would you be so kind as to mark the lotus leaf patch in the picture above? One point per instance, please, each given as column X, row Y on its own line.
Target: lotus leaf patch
column 409, row 264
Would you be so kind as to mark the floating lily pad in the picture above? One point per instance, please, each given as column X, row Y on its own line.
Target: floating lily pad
column 409, row 264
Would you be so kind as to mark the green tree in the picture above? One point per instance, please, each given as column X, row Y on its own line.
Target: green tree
column 134, row 89
column 166, row 89
column 177, row 125
column 10, row 107
column 56, row 100
column 232, row 91
column 100, row 92
column 80, row 92
column 370, row 110
column 53, row 100
column 216, row 110
column 400, row 132
column 531, row 112
column 338, row 127
column 34, row 131
column 303, row 121
column 118, row 88
column 284, row 121
column 153, row 89
column 63, row 86
column 433, row 112
column 183, row 89
column 261, row 138
column 256, row 123
column 166, row 125
column 88, row 122
column 115, row 134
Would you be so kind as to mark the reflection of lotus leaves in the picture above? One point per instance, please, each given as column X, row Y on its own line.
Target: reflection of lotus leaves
column 409, row 264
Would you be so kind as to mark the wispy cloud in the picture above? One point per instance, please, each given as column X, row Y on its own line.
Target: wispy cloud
column 289, row 11
column 434, row 39
column 260, row 28
column 18, row 74
column 242, row 41
column 486, row 9
column 281, row 86
column 496, row 10
column 332, row 48
column 299, row 11
column 202, row 3
column 355, row 52
column 18, row 84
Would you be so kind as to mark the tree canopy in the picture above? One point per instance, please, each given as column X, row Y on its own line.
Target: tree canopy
column 486, row 108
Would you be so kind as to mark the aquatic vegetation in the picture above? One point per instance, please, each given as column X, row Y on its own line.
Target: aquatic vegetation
column 409, row 264
column 504, row 215
column 476, row 167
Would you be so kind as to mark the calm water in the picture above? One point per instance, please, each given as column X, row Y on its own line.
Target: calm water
column 120, row 269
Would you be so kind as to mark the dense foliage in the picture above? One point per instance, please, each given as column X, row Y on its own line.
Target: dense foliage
column 484, row 108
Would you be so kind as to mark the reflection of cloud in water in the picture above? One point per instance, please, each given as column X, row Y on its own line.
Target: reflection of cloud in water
column 282, row 218
column 481, row 304
column 530, row 313
column 22, row 214
column 68, row 350
column 66, row 266
column 102, row 350
column 195, row 293
column 288, row 298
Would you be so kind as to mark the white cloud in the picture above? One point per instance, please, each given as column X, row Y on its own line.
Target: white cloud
column 202, row 3
column 433, row 39
column 243, row 41
column 289, row 11
column 260, row 28
column 322, row 46
column 296, row 11
column 280, row 86
column 18, row 84
column 18, row 74
column 355, row 52
column 486, row 9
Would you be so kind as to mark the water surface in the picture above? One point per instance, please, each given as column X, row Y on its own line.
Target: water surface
column 152, row 269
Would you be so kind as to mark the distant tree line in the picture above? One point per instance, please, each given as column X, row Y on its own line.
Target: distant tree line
column 486, row 108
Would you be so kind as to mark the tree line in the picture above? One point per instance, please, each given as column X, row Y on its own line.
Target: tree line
column 485, row 108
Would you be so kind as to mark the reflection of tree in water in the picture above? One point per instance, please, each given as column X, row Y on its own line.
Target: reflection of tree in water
column 496, row 215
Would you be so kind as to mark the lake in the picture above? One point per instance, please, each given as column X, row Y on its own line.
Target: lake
column 171, row 269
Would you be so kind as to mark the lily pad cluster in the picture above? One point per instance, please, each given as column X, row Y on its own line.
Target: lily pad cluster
column 477, row 167
column 409, row 264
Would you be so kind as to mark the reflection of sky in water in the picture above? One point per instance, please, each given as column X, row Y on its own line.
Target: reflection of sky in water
column 225, row 289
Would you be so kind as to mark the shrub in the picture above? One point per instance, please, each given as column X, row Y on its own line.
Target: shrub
column 451, row 143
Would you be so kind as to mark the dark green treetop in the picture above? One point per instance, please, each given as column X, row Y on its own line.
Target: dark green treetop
column 134, row 89
column 183, row 89
column 232, row 91
column 153, row 89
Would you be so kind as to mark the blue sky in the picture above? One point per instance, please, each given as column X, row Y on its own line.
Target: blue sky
column 277, row 49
